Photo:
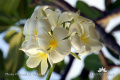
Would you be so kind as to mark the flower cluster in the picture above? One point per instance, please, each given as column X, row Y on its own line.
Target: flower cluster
column 50, row 34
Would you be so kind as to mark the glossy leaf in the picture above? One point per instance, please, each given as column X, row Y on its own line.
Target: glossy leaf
column 92, row 62
column 9, row 6
column 114, row 5
column 113, row 53
column 2, row 70
column 59, row 67
column 15, row 58
column 3, row 28
column 25, row 9
column 9, row 35
column 87, row 10
column 117, row 77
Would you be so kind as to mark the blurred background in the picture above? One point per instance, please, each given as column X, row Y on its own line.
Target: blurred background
column 105, row 13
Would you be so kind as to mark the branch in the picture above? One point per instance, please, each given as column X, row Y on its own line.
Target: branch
column 105, row 63
column 104, row 20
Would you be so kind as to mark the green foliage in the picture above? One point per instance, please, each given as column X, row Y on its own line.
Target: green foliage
column 87, row 11
column 117, row 77
column 15, row 58
column 114, row 5
column 9, row 35
column 9, row 6
column 59, row 67
column 1, row 65
column 77, row 78
column 113, row 53
column 92, row 62
column 3, row 28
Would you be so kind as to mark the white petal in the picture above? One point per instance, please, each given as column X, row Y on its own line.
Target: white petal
column 95, row 44
column 26, row 32
column 64, row 17
column 44, row 65
column 32, row 27
column 55, row 56
column 75, row 28
column 60, row 33
column 92, row 31
column 64, row 47
column 53, row 18
column 76, row 42
column 86, row 30
column 43, row 44
column 50, row 61
column 44, row 23
column 48, row 11
column 85, row 50
column 37, row 13
column 33, row 62
column 42, row 33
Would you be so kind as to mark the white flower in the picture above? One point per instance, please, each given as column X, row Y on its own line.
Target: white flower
column 56, row 18
column 36, row 54
column 54, row 43
column 84, row 37
column 32, row 25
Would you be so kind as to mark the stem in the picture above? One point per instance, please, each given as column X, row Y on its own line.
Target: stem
column 50, row 72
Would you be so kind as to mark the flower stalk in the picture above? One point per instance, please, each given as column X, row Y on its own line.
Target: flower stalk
column 50, row 72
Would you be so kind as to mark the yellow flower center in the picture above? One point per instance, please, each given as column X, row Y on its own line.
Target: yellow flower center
column 83, row 39
column 35, row 32
column 53, row 44
column 43, row 55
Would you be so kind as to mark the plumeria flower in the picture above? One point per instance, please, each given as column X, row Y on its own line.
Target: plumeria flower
column 38, row 13
column 55, row 44
column 84, row 37
column 36, row 54
column 32, row 25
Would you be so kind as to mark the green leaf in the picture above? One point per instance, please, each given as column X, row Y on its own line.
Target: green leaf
column 3, row 28
column 9, row 35
column 25, row 9
column 15, row 58
column 117, row 77
column 86, row 10
column 76, row 56
column 92, row 62
column 59, row 67
column 114, row 5
column 14, row 77
column 2, row 70
column 113, row 53
column 9, row 6
column 77, row 78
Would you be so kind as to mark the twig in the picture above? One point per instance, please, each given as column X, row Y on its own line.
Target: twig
column 105, row 63
column 104, row 20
